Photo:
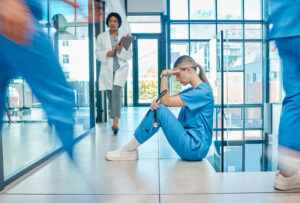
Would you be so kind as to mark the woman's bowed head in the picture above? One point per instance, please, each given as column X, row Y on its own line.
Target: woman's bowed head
column 187, row 72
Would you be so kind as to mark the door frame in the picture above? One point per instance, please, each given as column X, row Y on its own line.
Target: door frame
column 135, row 71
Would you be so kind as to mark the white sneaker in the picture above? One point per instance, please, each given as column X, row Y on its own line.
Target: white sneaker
column 287, row 183
column 121, row 155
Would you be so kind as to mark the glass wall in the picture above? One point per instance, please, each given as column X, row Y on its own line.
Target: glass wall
column 192, row 23
column 27, row 135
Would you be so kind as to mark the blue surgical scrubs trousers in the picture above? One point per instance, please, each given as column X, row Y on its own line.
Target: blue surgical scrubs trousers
column 289, row 127
column 175, row 133
column 39, row 66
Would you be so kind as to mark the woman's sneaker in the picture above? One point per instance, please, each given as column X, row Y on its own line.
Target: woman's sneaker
column 287, row 183
column 121, row 155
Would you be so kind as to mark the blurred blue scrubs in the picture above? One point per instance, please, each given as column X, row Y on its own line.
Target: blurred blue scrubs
column 285, row 23
column 38, row 65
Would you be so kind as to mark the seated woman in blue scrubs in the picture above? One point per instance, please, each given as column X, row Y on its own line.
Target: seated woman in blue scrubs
column 191, row 134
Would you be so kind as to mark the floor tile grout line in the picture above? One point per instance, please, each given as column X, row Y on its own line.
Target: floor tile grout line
column 93, row 194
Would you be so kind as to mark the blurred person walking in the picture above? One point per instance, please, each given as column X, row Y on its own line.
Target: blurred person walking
column 285, row 23
column 26, row 51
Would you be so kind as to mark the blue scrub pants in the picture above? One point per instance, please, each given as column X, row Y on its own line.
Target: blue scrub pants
column 176, row 135
column 38, row 65
column 289, row 127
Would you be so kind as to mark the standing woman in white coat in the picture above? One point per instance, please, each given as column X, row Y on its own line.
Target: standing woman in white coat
column 114, row 66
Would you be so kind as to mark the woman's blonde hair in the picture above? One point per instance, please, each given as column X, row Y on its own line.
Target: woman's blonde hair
column 187, row 61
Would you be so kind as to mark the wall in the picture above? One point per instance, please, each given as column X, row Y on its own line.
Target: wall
column 146, row 6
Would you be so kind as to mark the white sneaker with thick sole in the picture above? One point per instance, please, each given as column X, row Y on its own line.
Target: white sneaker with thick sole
column 121, row 155
column 287, row 183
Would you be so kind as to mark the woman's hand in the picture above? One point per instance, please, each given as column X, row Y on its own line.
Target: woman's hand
column 118, row 48
column 168, row 72
column 15, row 21
column 111, row 54
column 154, row 105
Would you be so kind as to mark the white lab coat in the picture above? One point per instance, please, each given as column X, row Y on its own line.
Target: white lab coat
column 103, row 45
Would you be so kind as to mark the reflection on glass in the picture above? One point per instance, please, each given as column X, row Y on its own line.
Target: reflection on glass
column 252, row 9
column 179, row 9
column 148, row 70
column 253, row 31
column 253, row 135
column 253, row 118
column 253, row 157
column 203, row 31
column 253, row 73
column 233, row 118
column 233, row 158
column 177, row 50
column 179, row 31
column 202, row 9
column 233, row 56
column 233, row 87
column 200, row 53
column 231, row 31
column 229, row 9
column 275, row 89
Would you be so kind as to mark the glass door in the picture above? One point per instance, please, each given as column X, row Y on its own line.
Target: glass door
column 143, row 84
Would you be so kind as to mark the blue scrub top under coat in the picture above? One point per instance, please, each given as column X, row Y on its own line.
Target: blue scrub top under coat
column 197, row 116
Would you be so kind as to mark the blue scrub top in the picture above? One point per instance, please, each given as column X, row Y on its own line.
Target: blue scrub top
column 197, row 115
column 285, row 18
column 35, row 7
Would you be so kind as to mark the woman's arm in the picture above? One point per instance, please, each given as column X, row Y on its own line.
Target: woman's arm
column 167, row 99
column 101, row 52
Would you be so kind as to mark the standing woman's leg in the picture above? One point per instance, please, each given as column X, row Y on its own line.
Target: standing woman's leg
column 108, row 94
column 117, row 93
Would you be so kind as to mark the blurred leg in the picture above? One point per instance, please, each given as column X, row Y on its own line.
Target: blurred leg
column 40, row 68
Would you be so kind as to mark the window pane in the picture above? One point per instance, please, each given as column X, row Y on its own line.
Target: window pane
column 148, row 69
column 179, row 31
column 178, row 9
column 233, row 118
column 253, row 135
column 253, row 72
column 253, row 118
column 144, row 24
column 233, row 87
column 202, row 9
column 252, row 9
column 231, row 31
column 233, row 57
column 275, row 88
column 203, row 31
column 177, row 49
column 253, row 31
column 200, row 52
column 233, row 135
column 233, row 156
column 145, row 27
column 229, row 9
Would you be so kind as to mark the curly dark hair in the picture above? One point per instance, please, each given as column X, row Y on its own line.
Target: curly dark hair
column 116, row 15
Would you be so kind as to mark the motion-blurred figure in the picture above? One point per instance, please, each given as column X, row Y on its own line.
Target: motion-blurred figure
column 26, row 51
column 285, row 22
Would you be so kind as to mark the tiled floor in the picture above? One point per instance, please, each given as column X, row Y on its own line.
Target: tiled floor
column 158, row 176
